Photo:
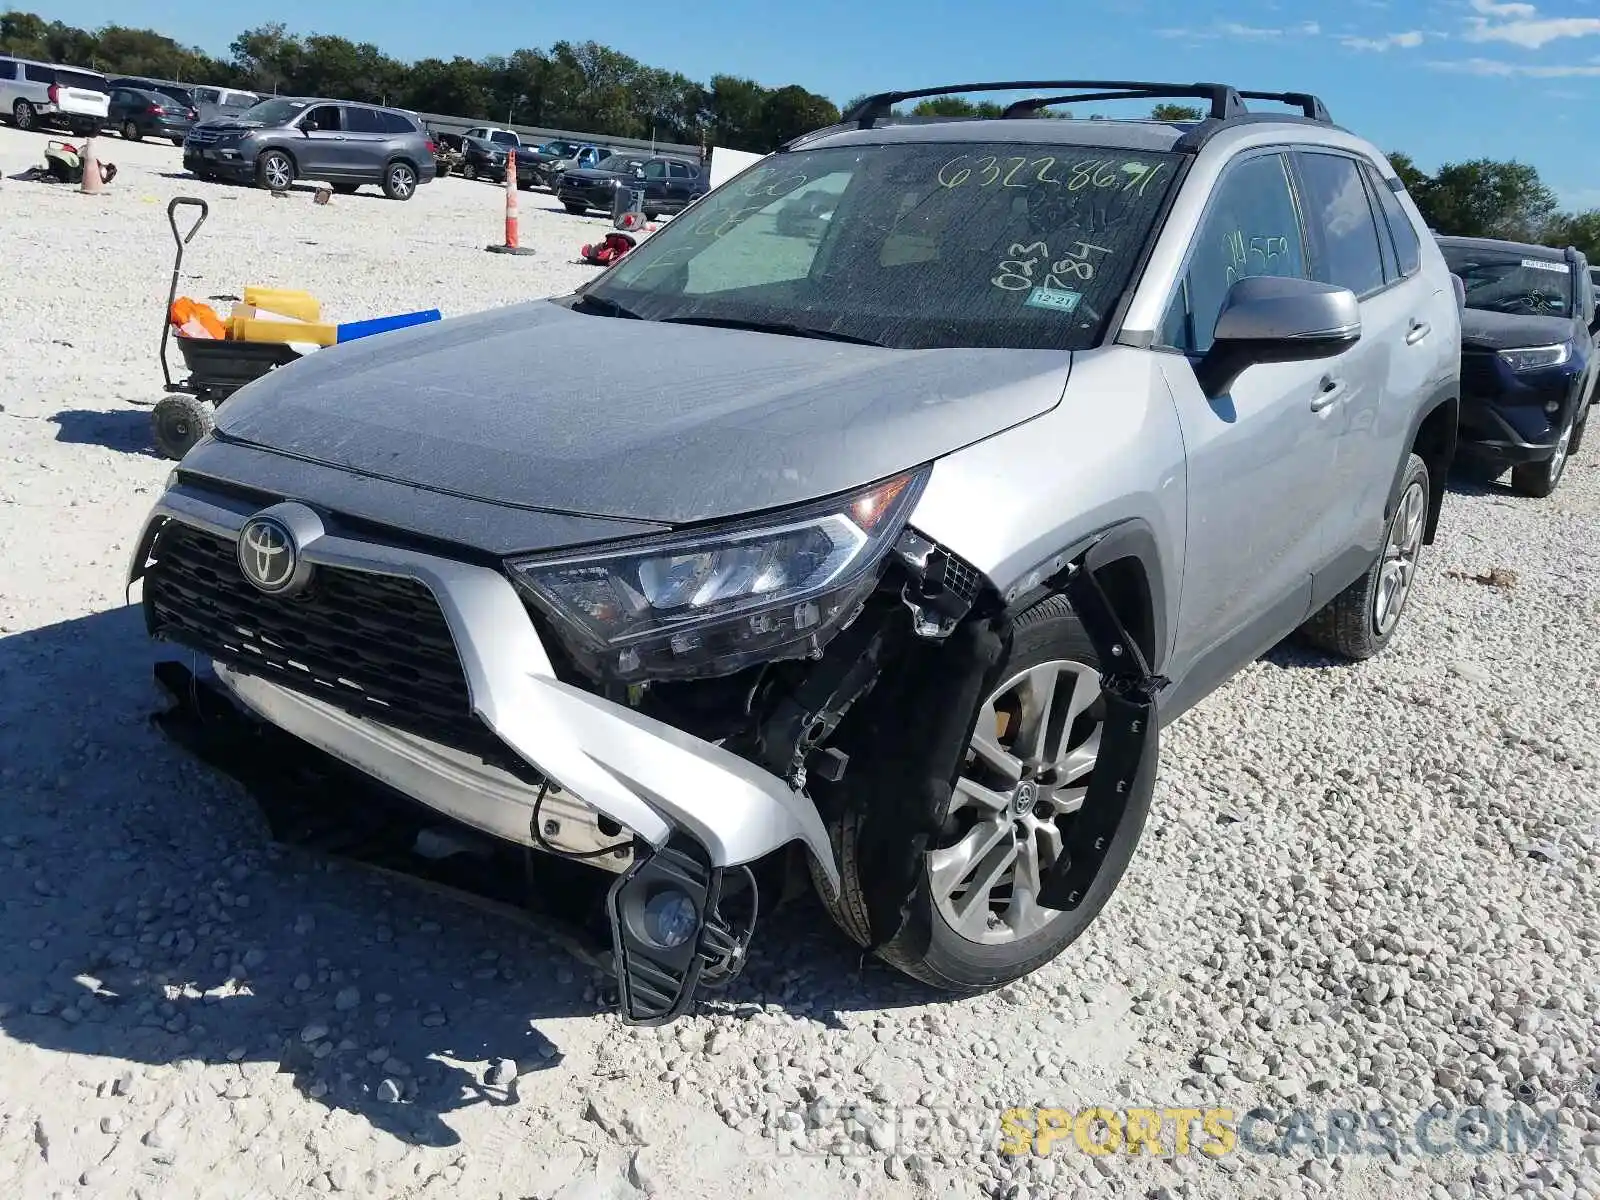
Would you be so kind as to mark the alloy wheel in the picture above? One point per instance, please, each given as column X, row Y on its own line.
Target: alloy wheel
column 279, row 176
column 1031, row 756
column 22, row 114
column 1400, row 553
column 402, row 181
column 1558, row 459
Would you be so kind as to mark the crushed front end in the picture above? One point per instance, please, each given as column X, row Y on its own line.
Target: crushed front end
column 652, row 707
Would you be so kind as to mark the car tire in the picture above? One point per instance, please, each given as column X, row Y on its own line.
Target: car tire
column 130, row 131
column 24, row 116
column 1539, row 479
column 176, row 141
column 399, row 181
column 275, row 170
column 180, row 421
column 1576, row 443
column 574, row 207
column 930, row 946
column 468, row 171
column 1359, row 622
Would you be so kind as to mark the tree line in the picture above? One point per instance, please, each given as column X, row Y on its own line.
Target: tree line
column 590, row 88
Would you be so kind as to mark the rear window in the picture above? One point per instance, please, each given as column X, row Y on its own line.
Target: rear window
column 81, row 79
column 929, row 245
column 1526, row 285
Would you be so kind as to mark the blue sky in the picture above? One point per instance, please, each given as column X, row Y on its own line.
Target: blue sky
column 1441, row 79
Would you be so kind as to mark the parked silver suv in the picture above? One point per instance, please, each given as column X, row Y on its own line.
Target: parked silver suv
column 278, row 141
column 898, row 539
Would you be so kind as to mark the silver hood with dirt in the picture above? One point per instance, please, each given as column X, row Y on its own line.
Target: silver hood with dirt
column 538, row 406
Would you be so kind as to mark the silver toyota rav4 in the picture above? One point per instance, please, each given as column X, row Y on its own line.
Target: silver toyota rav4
column 889, row 543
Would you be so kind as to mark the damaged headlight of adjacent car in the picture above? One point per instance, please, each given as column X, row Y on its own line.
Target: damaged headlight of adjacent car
column 713, row 601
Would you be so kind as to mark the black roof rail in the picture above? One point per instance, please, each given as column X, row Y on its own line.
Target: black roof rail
column 1225, row 100
column 1310, row 106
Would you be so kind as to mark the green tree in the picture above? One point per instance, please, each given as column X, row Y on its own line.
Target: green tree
column 1484, row 198
column 957, row 106
column 1581, row 231
column 1413, row 176
column 791, row 111
column 1176, row 112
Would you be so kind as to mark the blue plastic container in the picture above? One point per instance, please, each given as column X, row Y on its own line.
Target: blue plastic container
column 351, row 330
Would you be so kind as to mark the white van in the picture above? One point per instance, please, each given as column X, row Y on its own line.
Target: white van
column 35, row 93
column 220, row 103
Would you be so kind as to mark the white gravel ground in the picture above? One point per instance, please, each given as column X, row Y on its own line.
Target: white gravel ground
column 1367, row 889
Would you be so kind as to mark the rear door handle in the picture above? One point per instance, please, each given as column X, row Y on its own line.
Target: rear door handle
column 1418, row 331
column 1330, row 391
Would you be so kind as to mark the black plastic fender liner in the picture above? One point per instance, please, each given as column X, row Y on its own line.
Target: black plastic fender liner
column 1130, row 744
column 900, row 791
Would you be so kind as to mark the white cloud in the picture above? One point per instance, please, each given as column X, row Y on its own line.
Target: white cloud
column 1404, row 41
column 1521, row 25
column 1501, row 69
column 1236, row 31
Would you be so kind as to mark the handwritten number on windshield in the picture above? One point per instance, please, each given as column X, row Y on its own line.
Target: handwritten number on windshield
column 1019, row 171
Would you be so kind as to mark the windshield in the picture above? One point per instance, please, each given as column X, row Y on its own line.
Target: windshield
column 273, row 112
column 559, row 149
column 1501, row 282
column 620, row 163
column 929, row 245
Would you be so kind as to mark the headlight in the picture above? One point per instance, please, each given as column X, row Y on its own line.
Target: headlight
column 710, row 603
column 1535, row 357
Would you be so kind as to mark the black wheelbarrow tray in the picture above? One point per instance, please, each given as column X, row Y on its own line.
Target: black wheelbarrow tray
column 216, row 368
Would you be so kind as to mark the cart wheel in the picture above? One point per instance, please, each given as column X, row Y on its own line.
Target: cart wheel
column 180, row 422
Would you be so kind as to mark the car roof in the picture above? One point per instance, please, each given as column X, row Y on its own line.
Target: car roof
column 1525, row 249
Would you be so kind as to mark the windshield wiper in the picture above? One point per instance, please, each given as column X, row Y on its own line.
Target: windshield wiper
column 603, row 307
column 783, row 327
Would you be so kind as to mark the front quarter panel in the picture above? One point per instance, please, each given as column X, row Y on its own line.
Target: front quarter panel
column 1110, row 454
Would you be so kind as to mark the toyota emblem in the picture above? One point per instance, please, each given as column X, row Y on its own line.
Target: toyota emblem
column 268, row 555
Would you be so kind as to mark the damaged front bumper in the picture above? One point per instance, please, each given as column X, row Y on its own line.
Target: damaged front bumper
column 686, row 811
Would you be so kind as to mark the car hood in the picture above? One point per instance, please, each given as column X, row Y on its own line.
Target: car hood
column 1511, row 331
column 538, row 406
column 590, row 175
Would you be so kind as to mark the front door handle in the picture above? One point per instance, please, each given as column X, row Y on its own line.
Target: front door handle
column 1418, row 331
column 1330, row 390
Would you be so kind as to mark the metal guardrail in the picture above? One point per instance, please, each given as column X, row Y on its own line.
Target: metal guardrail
column 538, row 134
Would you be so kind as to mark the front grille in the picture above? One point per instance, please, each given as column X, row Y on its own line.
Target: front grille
column 374, row 645
column 202, row 137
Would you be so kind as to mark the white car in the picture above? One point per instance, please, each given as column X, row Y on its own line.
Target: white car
column 35, row 93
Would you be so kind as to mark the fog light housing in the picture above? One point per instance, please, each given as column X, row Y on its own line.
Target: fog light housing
column 1552, row 406
column 669, row 919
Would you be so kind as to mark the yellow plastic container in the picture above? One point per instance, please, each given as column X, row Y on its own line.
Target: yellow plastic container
column 301, row 305
column 255, row 329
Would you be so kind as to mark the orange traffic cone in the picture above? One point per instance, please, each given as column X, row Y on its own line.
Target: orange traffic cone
column 92, row 184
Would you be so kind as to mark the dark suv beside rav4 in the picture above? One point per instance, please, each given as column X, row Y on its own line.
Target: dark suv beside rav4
column 1528, row 361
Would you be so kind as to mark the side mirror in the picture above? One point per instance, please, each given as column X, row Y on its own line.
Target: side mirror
column 1267, row 319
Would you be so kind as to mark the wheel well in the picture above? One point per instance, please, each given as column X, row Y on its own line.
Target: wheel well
column 1435, row 444
column 400, row 158
column 289, row 154
column 1128, row 588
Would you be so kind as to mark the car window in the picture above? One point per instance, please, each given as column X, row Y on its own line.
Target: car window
column 394, row 122
column 679, row 171
column 1339, row 224
column 1250, row 228
column 1505, row 281
column 325, row 118
column 1407, row 245
column 986, row 244
column 39, row 74
column 655, row 170
column 206, row 95
column 363, row 120
column 8, row 69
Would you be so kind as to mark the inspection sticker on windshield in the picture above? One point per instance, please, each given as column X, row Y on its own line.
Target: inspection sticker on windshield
column 1544, row 264
column 1056, row 299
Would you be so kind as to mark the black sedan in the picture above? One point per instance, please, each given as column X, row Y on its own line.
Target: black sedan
column 668, row 184
column 138, row 113
column 1528, row 361
column 482, row 159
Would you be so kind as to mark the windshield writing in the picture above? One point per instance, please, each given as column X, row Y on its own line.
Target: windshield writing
column 911, row 246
